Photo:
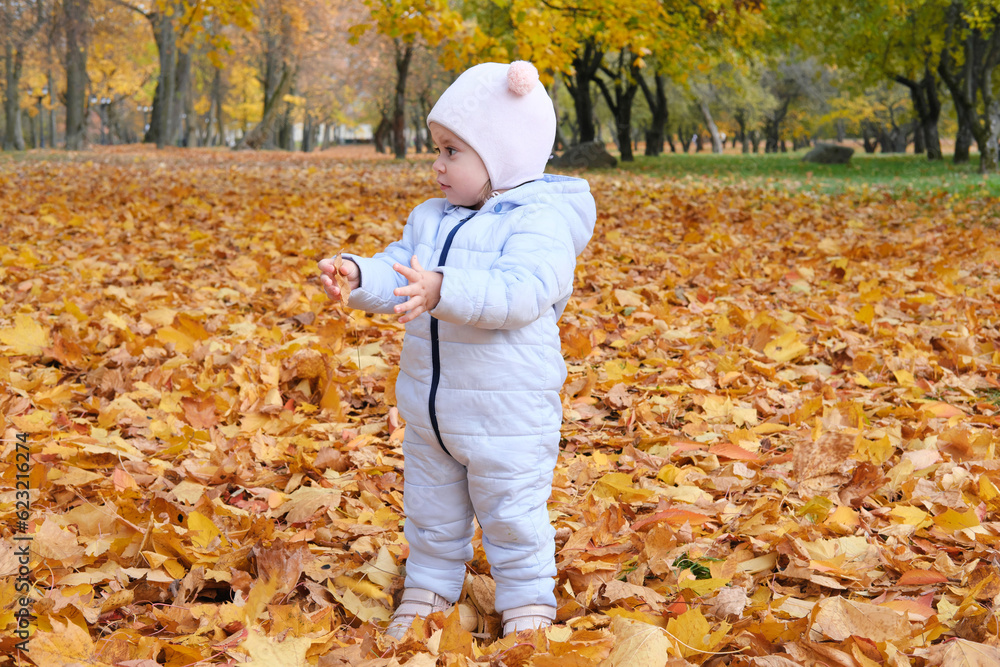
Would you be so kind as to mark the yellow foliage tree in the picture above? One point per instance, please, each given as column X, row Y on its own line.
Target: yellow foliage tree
column 412, row 24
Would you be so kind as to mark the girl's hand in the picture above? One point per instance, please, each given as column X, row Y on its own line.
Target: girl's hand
column 348, row 269
column 424, row 290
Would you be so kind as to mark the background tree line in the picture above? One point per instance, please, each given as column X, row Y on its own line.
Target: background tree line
column 673, row 75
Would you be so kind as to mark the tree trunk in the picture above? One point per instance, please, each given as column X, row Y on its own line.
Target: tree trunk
column 970, row 80
column 713, row 130
column 623, row 120
column 404, row 54
column 741, row 120
column 989, row 151
column 919, row 143
column 558, row 144
column 929, row 124
column 161, row 122
column 183, row 99
column 685, row 136
column 772, row 129
column 261, row 135
column 75, row 14
column 625, row 88
column 774, row 142
column 585, row 67
column 382, row 134
column 13, row 136
column 286, row 131
column 307, row 134
column 657, row 102
column 51, row 112
column 418, row 139
column 927, row 105
column 218, row 96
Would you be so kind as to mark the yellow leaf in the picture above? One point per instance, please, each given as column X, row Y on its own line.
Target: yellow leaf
column 875, row 451
column 693, row 633
column 987, row 490
column 188, row 492
column 627, row 298
column 353, row 604
column 201, row 530
column 861, row 380
column 258, row 598
column 910, row 516
column 362, row 587
column 705, row 586
column 785, row 347
column 904, row 378
column 183, row 343
column 952, row 520
column 382, row 570
column 263, row 650
column 638, row 643
column 619, row 485
column 843, row 517
column 174, row 569
column 634, row 615
column 38, row 421
column 115, row 320
column 620, row 370
column 866, row 314
column 27, row 337
column 68, row 645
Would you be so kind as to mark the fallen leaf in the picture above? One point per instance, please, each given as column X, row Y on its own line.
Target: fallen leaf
column 342, row 282
column 838, row 619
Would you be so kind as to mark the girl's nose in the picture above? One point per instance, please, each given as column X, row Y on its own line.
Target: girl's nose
column 438, row 166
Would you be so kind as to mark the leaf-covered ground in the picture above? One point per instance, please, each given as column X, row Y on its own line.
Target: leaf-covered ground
column 780, row 439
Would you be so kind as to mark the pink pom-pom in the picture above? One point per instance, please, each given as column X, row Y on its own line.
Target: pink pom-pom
column 521, row 77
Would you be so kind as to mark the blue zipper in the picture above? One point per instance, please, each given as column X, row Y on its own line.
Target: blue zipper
column 436, row 345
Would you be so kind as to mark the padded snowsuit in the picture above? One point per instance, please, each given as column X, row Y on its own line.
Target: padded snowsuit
column 479, row 381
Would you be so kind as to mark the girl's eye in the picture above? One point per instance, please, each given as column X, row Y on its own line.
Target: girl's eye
column 451, row 151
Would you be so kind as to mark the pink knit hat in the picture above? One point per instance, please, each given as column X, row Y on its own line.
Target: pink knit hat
column 504, row 113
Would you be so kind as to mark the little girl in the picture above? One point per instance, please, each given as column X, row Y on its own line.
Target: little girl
column 481, row 366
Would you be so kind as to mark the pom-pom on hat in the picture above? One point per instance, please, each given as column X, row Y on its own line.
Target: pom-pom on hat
column 504, row 113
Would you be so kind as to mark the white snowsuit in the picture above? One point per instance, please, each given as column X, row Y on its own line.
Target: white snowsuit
column 479, row 381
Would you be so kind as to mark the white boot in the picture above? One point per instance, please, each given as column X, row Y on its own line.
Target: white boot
column 528, row 617
column 414, row 602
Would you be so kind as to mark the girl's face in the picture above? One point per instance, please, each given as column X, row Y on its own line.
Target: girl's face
column 459, row 170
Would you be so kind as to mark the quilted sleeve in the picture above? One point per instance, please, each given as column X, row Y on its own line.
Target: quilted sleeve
column 378, row 279
column 533, row 273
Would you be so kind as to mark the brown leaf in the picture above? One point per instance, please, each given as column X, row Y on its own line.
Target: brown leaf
column 342, row 282
column 838, row 619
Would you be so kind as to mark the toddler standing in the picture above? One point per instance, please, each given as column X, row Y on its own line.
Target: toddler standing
column 481, row 365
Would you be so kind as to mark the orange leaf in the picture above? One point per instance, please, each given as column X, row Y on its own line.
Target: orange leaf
column 729, row 450
column 674, row 517
column 918, row 577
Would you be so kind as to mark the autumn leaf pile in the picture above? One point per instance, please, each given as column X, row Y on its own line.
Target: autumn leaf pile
column 780, row 438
